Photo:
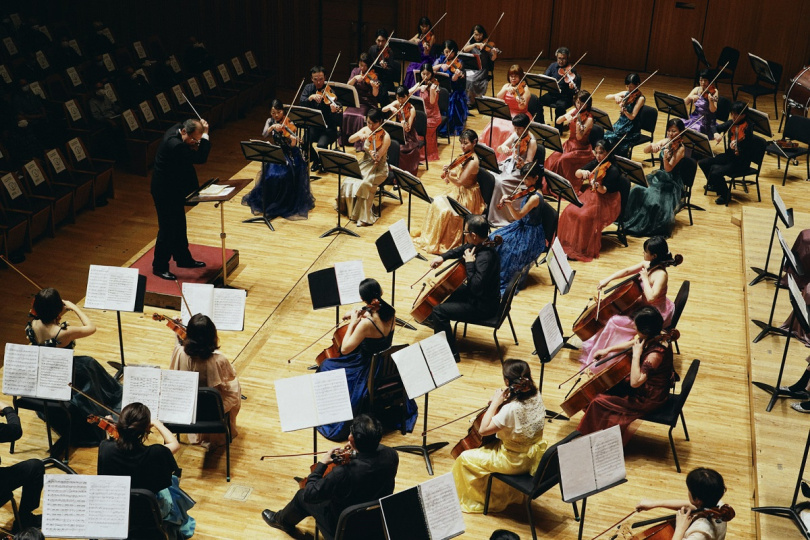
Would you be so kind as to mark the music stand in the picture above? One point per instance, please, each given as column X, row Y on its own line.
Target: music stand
column 264, row 152
column 404, row 51
column 487, row 158
column 671, row 105
column 458, row 208
column 760, row 120
column 417, row 102
column 601, row 118
column 392, row 258
column 699, row 143
column 395, row 130
column 471, row 62
column 545, row 353
column 562, row 188
column 548, row 136
column 342, row 165
column 633, row 170
column 494, row 108
column 345, row 94
column 306, row 118
column 542, row 83
column 786, row 216
column 412, row 186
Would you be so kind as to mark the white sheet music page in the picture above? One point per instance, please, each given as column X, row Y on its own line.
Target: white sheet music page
column 142, row 385
column 65, row 509
column 296, row 403
column 440, row 359
column 442, row 508
column 413, row 371
column 55, row 373
column 178, row 396
column 402, row 240
column 577, row 475
column 331, row 392
column 200, row 298
column 562, row 259
column 551, row 332
column 608, row 456
column 780, row 207
column 109, row 504
column 111, row 287
column 20, row 370
column 349, row 275
column 229, row 309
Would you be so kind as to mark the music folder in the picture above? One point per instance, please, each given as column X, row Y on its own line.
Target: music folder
column 428, row 511
column 395, row 246
column 336, row 286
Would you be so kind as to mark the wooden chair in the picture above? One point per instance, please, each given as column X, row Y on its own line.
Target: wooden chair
column 229, row 97
column 243, row 90
column 15, row 231
column 16, row 197
column 215, row 105
column 142, row 143
column 258, row 75
column 100, row 169
column 150, row 119
column 180, row 104
column 60, row 196
column 81, row 183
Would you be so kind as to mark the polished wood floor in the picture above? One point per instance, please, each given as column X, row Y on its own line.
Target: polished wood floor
column 758, row 453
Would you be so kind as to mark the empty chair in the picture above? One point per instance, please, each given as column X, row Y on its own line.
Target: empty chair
column 731, row 56
column 100, row 169
column 768, row 76
column 15, row 197
column 39, row 185
column 688, row 171
column 142, row 143
column 797, row 128
column 82, row 183
column 16, row 237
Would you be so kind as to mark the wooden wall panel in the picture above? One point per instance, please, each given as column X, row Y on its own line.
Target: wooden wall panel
column 670, row 49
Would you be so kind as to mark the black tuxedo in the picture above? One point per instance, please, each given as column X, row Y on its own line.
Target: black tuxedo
column 29, row 474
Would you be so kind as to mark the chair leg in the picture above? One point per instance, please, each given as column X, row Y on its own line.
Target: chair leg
column 514, row 336
column 486, row 497
column 576, row 512
column 464, row 335
column 683, row 423
column 531, row 516
column 497, row 345
column 674, row 452
column 759, row 197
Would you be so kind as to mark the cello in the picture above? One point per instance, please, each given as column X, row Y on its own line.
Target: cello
column 622, row 298
column 663, row 528
column 333, row 351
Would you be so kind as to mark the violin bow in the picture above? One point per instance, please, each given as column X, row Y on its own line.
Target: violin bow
column 295, row 455
column 572, row 66
column 29, row 280
column 192, row 106
column 93, row 400
column 522, row 180
column 422, row 39
column 734, row 123
column 679, row 135
column 530, row 68
column 590, row 97
column 283, row 122
column 615, row 146
column 720, row 72
column 290, row 359
column 333, row 67
column 454, row 420
column 381, row 52
column 624, row 99
column 490, row 34
column 625, row 518
column 179, row 288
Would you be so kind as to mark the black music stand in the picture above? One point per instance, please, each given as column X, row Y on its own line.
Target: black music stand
column 799, row 313
column 306, row 118
column 340, row 164
column 487, row 158
column 471, row 62
column 786, row 216
column 264, row 152
column 494, row 108
column 562, row 188
column 404, row 52
column 671, row 105
column 793, row 512
column 391, row 258
column 633, row 170
column 412, row 186
column 345, row 94
column 546, row 355
column 787, row 260
column 417, row 102
column 761, row 121
column 601, row 118
column 700, row 145
column 459, row 208
column 548, row 136
column 542, row 83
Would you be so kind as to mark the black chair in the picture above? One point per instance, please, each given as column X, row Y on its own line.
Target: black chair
column 211, row 418
column 145, row 519
column 501, row 315
column 768, row 76
column 549, row 217
column 533, row 485
column 359, row 521
column 723, row 109
column 758, row 146
column 534, row 106
column 393, row 159
column 618, row 233
column 669, row 413
column 420, row 126
column 43, row 406
column 688, row 169
column 385, row 388
column 486, row 182
column 732, row 56
column 444, row 104
column 647, row 119
column 5, row 498
column 797, row 128
column 680, row 305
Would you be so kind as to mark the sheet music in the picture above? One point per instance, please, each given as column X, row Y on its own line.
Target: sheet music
column 20, row 370
column 331, row 392
column 577, row 475
column 798, row 299
column 554, row 270
column 402, row 240
column 229, row 309
column 296, row 403
column 440, row 359
column 111, row 287
column 55, row 373
column 781, row 208
column 142, row 385
column 200, row 298
column 562, row 259
column 109, row 501
column 787, row 251
column 442, row 508
column 608, row 456
column 551, row 331
column 83, row 506
column 178, row 396
column 413, row 371
column 349, row 274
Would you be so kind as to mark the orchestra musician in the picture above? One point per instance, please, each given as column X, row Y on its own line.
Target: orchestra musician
column 705, row 488
column 457, row 110
column 478, row 298
column 426, row 40
column 200, row 352
column 516, row 95
column 477, row 80
column 312, row 97
column 521, row 148
column 387, row 68
column 737, row 157
column 442, row 227
column 367, row 477
column 563, row 99
column 28, row 474
column 370, row 330
column 647, row 386
column 577, row 151
column 580, row 229
column 704, row 100
column 429, row 92
column 653, row 282
column 630, row 102
column 516, row 416
column 282, row 189
column 368, row 91
column 651, row 210
column 409, row 158
column 357, row 195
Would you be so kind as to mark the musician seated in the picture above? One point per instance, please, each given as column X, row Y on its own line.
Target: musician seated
column 737, row 157
column 705, row 488
column 151, row 467
column 367, row 477
column 313, row 96
column 516, row 416
column 647, row 386
column 200, row 352
column 568, row 86
column 478, row 298
column 27, row 474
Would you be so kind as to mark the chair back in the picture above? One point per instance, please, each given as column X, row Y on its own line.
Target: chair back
column 487, row 184
column 14, row 193
column 547, row 474
column 145, row 520
column 209, row 405
column 597, row 134
column 444, row 101
column 686, row 386
column 688, row 169
column 723, row 109
column 649, row 117
column 624, row 193
column 680, row 304
column 769, row 73
column 798, row 129
column 730, row 55
column 360, row 521
column 701, row 56
column 758, row 147
column 534, row 105
column 508, row 295
column 549, row 217
column 383, row 373
column 420, row 123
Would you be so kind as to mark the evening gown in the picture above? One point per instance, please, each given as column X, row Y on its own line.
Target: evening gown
column 650, row 211
column 575, row 155
column 624, row 126
column 501, row 129
column 283, row 188
column 457, row 109
column 523, row 242
column 409, row 157
column 357, row 194
column 706, row 125
column 434, row 118
column 507, row 180
column 354, row 118
column 443, row 228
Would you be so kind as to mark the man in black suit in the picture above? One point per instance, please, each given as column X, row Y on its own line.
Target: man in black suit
column 737, row 157
column 332, row 115
column 173, row 179
column 369, row 475
column 563, row 99
column 29, row 474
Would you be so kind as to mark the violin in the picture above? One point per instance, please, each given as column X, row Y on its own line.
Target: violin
column 174, row 324
column 104, row 424
column 519, row 195
column 490, row 47
column 340, row 457
column 461, row 161
column 737, row 134
column 664, row 527
column 598, row 174
column 567, row 76
column 518, row 90
column 371, row 77
column 404, row 112
column 333, row 351
column 329, row 96
column 455, row 66
column 426, row 40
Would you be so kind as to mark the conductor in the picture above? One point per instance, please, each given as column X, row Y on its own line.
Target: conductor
column 173, row 179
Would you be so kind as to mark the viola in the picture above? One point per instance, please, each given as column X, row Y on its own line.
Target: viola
column 460, row 161
column 664, row 527
column 333, row 351
column 341, row 457
column 371, row 77
column 104, row 424
column 455, row 66
column 176, row 326
column 567, row 76
column 404, row 112
column 518, row 90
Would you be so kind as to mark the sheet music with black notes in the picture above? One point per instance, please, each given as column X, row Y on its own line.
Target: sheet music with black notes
column 171, row 395
column 112, row 288
column 591, row 463
column 39, row 372
column 429, row 511
column 84, row 506
column 313, row 400
column 225, row 307
column 426, row 365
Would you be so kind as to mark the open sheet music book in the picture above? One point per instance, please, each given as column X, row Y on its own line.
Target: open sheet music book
column 561, row 272
column 38, row 372
column 313, row 400
column 429, row 511
column 226, row 307
column 426, row 365
column 336, row 286
column 395, row 246
column 552, row 331
column 111, row 287
column 591, row 463
column 85, row 506
column 170, row 395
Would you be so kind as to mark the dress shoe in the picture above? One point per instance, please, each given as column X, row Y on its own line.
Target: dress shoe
column 270, row 518
column 721, row 200
column 192, row 264
column 798, row 394
column 803, row 407
column 165, row 275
